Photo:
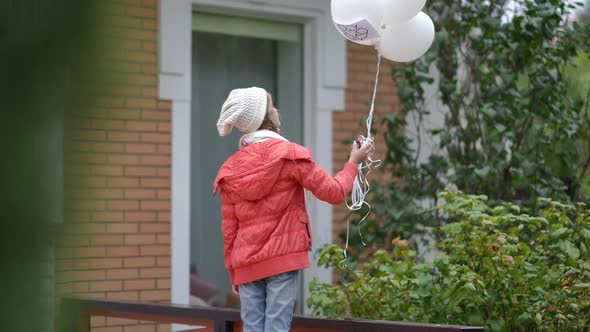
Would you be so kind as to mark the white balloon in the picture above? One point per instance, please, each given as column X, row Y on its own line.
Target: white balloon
column 358, row 21
column 399, row 11
column 407, row 41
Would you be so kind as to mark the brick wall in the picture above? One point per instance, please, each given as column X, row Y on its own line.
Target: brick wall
column 362, row 64
column 115, row 242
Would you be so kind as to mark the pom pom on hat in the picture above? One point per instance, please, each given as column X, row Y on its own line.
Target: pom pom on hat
column 244, row 109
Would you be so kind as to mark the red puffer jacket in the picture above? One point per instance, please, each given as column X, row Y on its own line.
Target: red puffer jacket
column 265, row 224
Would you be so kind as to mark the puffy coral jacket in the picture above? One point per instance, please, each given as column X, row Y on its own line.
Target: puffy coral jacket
column 265, row 223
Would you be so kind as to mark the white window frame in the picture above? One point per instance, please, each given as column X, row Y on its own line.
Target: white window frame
column 323, row 93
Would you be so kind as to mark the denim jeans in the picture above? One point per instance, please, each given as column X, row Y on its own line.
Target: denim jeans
column 267, row 304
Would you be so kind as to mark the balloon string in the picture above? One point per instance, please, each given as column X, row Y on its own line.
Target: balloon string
column 370, row 118
column 361, row 186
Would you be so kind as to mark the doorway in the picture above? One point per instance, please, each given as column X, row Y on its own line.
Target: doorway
column 234, row 52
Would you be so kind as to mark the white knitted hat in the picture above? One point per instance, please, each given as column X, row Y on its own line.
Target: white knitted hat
column 244, row 109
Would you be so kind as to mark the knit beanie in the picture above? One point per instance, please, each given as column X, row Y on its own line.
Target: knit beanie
column 244, row 109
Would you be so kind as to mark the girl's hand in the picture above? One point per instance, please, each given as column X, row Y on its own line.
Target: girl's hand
column 236, row 289
column 359, row 155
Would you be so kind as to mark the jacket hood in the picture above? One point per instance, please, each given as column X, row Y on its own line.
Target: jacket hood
column 252, row 171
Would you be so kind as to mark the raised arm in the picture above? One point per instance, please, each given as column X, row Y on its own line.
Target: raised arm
column 325, row 187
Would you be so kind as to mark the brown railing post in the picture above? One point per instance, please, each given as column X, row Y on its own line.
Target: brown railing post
column 83, row 321
column 228, row 326
column 73, row 317
column 223, row 325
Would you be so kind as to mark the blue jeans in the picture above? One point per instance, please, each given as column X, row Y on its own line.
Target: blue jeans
column 267, row 304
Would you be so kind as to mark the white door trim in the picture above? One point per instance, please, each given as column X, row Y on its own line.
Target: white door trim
column 324, row 88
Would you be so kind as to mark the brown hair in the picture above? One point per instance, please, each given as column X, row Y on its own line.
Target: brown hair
column 267, row 123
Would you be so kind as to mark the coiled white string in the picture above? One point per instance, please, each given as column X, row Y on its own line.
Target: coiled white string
column 361, row 187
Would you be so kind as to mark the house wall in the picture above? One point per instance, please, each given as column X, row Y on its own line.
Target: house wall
column 115, row 242
column 361, row 69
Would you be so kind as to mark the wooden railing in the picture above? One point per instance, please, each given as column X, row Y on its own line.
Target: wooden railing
column 76, row 313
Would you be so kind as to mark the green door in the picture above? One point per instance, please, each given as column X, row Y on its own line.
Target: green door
column 229, row 53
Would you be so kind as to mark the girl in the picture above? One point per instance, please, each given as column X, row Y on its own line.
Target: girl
column 265, row 226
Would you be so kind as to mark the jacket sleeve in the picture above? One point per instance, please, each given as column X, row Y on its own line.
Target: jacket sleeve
column 229, row 228
column 325, row 187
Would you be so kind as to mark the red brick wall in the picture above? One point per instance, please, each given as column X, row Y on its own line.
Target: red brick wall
column 362, row 64
column 115, row 241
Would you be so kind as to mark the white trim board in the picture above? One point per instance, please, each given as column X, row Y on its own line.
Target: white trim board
column 324, row 89
column 246, row 27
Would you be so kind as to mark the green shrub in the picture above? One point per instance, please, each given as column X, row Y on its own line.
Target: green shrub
column 512, row 114
column 496, row 267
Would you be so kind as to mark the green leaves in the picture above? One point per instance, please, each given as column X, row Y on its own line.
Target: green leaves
column 509, row 122
column 514, row 127
column 570, row 249
column 533, row 279
column 582, row 285
column 559, row 232
column 512, row 123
